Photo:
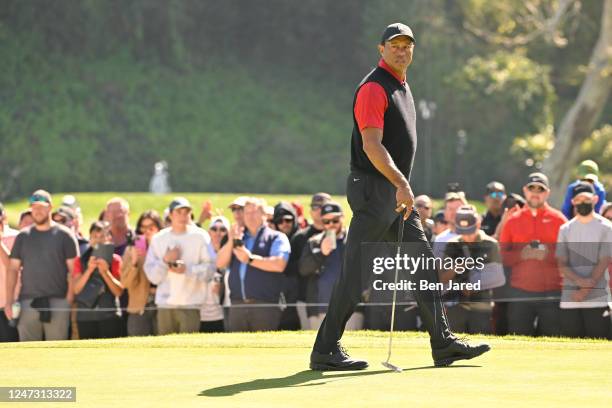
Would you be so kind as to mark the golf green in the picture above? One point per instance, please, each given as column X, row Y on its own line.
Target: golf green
column 271, row 370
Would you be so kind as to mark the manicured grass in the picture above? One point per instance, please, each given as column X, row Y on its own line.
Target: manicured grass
column 270, row 370
column 93, row 203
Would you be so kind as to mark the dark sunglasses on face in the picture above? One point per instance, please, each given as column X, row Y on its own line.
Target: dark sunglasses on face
column 218, row 229
column 332, row 221
column 536, row 189
column 38, row 198
column 285, row 221
column 497, row 194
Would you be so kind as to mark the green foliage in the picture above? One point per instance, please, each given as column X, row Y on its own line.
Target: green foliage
column 598, row 147
column 512, row 96
column 256, row 95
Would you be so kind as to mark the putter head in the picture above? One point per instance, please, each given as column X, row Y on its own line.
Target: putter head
column 391, row 367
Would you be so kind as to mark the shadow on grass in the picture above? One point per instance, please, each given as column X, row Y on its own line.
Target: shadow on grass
column 299, row 379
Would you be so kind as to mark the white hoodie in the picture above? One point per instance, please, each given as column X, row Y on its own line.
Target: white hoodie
column 181, row 290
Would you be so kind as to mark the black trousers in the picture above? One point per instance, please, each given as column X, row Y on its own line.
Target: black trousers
column 7, row 333
column 524, row 313
column 372, row 200
column 587, row 322
column 100, row 329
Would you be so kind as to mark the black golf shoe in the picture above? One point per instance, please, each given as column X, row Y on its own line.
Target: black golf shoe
column 337, row 360
column 457, row 350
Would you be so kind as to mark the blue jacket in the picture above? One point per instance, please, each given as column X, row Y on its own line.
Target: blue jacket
column 568, row 209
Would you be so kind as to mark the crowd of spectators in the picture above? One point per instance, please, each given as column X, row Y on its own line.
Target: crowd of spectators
column 544, row 271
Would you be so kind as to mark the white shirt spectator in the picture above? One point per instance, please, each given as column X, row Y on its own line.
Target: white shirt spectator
column 182, row 290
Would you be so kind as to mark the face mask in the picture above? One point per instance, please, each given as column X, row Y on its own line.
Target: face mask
column 584, row 208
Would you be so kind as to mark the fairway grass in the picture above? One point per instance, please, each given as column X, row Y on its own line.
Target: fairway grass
column 271, row 370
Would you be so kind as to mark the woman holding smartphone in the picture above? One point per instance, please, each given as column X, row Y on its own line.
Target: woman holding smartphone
column 141, row 293
column 98, row 315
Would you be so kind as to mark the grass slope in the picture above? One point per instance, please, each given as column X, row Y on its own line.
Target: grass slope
column 270, row 370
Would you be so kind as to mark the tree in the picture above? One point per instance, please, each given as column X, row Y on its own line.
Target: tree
column 582, row 117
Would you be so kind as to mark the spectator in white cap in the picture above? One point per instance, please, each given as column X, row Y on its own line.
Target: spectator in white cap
column 269, row 213
column 180, row 261
column 211, row 313
column 237, row 208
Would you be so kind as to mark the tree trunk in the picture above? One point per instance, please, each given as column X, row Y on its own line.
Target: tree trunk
column 582, row 117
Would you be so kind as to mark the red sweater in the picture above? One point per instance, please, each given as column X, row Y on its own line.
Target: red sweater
column 521, row 228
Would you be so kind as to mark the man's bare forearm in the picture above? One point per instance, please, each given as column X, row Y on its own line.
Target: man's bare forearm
column 600, row 269
column 4, row 255
column 11, row 281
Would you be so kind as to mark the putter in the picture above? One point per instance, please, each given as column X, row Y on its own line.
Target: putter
column 400, row 236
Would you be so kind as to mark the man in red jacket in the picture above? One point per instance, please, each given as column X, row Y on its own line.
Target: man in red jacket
column 527, row 241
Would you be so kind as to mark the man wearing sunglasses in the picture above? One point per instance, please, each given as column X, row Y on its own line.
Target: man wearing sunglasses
column 320, row 264
column 298, row 242
column 527, row 241
column 494, row 198
column 45, row 253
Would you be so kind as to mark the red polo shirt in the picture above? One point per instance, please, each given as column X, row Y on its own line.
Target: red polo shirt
column 371, row 102
column 522, row 228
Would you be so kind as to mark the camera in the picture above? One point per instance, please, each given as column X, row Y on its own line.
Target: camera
column 130, row 238
column 238, row 242
column 535, row 244
column 176, row 263
column 453, row 187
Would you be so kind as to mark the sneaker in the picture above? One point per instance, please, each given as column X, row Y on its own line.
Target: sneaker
column 457, row 350
column 338, row 360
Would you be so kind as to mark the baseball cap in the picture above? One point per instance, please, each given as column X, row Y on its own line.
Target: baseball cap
column 70, row 201
column 320, row 199
column 539, row 179
column 219, row 219
column 395, row 30
column 495, row 186
column 583, row 187
column 40, row 197
column 331, row 208
column 439, row 217
column 454, row 195
column 587, row 167
column 269, row 210
column 465, row 220
column 239, row 202
column 66, row 212
column 179, row 202
column 590, row 177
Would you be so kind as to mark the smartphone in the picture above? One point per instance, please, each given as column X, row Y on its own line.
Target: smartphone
column 141, row 245
column 332, row 235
